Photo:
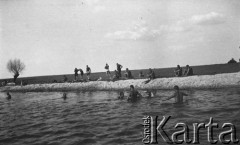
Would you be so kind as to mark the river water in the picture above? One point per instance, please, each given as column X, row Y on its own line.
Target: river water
column 44, row 118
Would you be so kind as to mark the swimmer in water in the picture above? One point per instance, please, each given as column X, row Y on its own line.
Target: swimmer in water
column 178, row 95
column 121, row 95
column 134, row 94
column 64, row 96
column 150, row 93
column 8, row 96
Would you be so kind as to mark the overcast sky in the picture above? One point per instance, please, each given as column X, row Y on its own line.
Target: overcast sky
column 54, row 36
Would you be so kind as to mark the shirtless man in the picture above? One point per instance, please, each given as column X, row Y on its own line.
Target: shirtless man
column 134, row 94
column 119, row 68
column 121, row 95
column 88, row 71
column 81, row 73
column 107, row 71
column 76, row 74
column 178, row 95
column 8, row 96
column 65, row 79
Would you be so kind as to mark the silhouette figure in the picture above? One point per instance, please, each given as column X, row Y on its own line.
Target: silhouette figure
column 8, row 96
column 64, row 96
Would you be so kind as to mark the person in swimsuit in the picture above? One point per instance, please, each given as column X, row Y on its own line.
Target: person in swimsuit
column 128, row 74
column 64, row 96
column 88, row 71
column 76, row 74
column 121, row 95
column 178, row 95
column 8, row 96
column 134, row 95
column 81, row 73
column 107, row 70
column 119, row 68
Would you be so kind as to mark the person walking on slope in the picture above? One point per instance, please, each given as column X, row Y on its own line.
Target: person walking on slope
column 88, row 71
column 119, row 68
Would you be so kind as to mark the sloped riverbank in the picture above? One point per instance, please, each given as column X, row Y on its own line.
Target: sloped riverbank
column 204, row 81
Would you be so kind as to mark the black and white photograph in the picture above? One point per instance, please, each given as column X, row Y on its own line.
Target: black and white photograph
column 119, row 72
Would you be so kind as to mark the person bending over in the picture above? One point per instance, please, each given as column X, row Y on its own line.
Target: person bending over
column 119, row 68
column 81, row 73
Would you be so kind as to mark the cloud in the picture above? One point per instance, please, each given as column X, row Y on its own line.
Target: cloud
column 212, row 18
column 140, row 30
column 208, row 19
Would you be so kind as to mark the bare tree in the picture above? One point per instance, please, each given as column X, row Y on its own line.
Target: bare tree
column 15, row 66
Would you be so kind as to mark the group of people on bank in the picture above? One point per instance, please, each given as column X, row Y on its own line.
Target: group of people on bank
column 88, row 72
column 178, row 72
column 128, row 74
column 117, row 73
column 187, row 72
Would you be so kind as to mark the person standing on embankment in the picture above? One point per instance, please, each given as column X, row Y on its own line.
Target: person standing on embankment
column 119, row 68
column 88, row 71
column 107, row 71
column 76, row 74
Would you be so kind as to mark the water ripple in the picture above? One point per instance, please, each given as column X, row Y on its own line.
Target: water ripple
column 100, row 118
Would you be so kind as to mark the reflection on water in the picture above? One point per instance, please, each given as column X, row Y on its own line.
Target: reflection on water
column 100, row 118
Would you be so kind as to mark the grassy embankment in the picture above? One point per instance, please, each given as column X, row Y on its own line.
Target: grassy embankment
column 160, row 73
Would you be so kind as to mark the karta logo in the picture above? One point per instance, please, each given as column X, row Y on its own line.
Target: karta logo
column 151, row 131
